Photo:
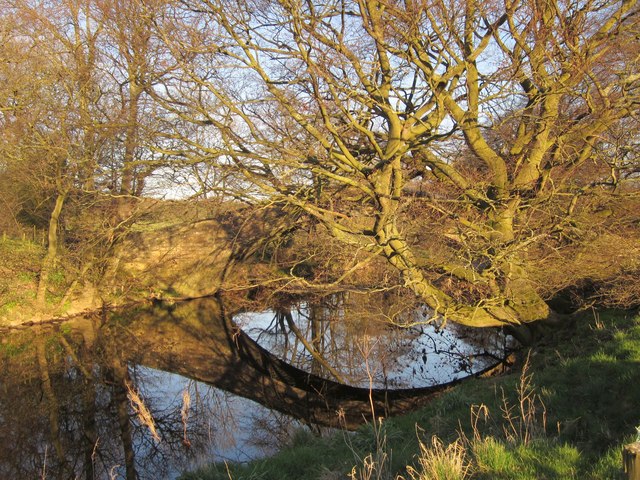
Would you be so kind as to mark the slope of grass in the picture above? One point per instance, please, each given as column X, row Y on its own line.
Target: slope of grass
column 19, row 266
column 564, row 414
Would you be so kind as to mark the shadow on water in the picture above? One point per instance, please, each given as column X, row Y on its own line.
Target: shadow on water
column 69, row 393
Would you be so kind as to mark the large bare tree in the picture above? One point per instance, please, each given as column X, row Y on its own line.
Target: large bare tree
column 497, row 124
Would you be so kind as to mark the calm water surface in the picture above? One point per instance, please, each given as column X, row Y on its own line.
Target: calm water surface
column 151, row 392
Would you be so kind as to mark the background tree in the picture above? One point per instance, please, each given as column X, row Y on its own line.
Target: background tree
column 504, row 114
column 50, row 136
column 136, row 64
column 77, row 126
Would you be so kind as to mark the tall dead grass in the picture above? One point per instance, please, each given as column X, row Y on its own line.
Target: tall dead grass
column 519, row 420
column 438, row 461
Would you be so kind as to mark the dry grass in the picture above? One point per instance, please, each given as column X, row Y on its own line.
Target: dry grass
column 528, row 417
column 440, row 462
column 522, row 420
column 184, row 415
column 142, row 412
column 369, row 470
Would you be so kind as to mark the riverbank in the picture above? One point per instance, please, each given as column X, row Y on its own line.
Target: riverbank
column 564, row 412
column 164, row 255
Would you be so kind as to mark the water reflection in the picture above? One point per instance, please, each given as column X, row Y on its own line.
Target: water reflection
column 367, row 340
column 76, row 401
column 127, row 395
column 65, row 411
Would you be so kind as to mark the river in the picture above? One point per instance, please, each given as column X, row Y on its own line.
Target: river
column 151, row 391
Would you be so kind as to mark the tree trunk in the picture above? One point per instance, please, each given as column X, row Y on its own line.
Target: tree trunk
column 120, row 377
column 519, row 302
column 90, row 429
column 317, row 337
column 131, row 139
column 50, row 259
column 52, row 402
column 631, row 461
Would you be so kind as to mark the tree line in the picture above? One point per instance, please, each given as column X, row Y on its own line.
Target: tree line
column 485, row 149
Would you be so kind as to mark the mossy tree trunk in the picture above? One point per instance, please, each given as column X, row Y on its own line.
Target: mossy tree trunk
column 51, row 257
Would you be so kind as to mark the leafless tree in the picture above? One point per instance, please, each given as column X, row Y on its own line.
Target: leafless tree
column 495, row 125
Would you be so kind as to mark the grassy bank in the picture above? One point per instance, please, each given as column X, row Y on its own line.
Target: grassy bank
column 20, row 262
column 564, row 413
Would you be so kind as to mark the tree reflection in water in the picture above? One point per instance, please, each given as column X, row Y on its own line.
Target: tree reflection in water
column 372, row 340
column 66, row 411
column 68, row 391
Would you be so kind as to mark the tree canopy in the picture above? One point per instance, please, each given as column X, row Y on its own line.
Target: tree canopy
column 487, row 149
column 508, row 123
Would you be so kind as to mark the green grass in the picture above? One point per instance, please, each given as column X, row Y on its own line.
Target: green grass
column 20, row 257
column 19, row 265
column 582, row 405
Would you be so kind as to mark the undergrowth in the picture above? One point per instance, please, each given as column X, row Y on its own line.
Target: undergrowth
column 564, row 414
column 19, row 267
